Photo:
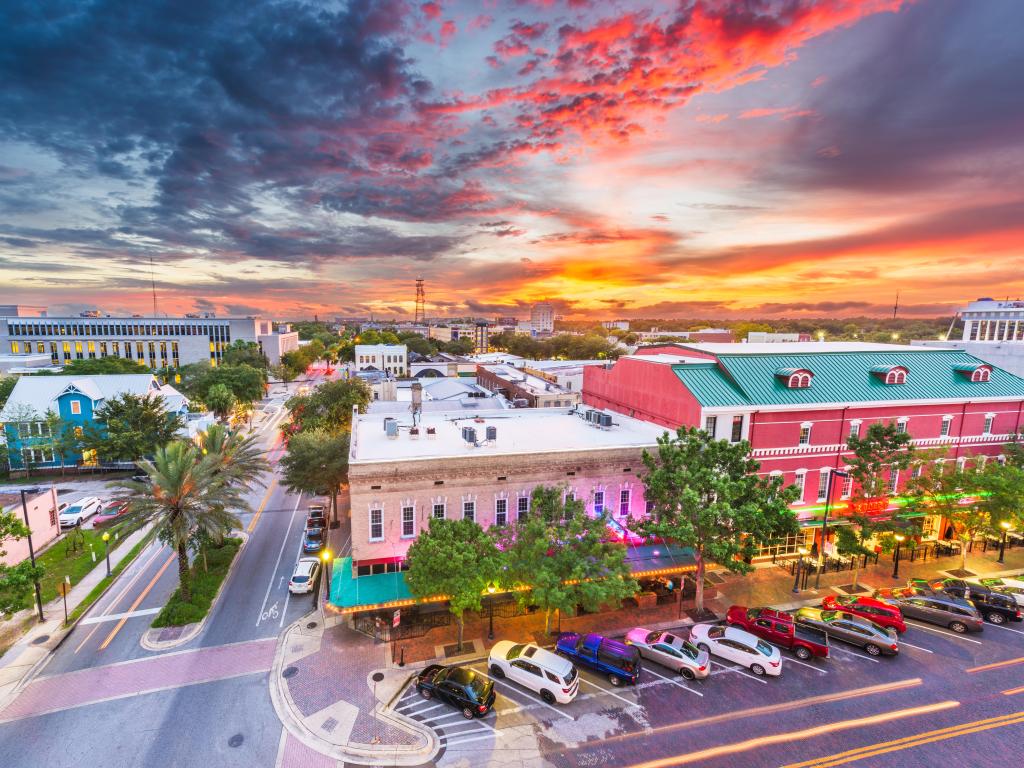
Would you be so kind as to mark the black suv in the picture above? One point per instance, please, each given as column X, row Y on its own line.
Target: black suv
column 996, row 607
column 469, row 691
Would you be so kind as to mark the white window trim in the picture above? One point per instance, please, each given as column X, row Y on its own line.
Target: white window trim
column 401, row 520
column 369, row 530
column 809, row 426
column 990, row 422
column 823, row 492
column 947, row 425
column 76, row 407
column 846, row 490
column 500, row 497
column 800, row 480
column 628, row 490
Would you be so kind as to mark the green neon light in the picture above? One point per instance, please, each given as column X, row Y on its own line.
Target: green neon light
column 898, row 501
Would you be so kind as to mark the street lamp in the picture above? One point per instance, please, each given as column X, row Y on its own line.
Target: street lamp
column 325, row 557
column 796, row 582
column 896, row 559
column 1002, row 541
column 106, row 549
column 490, row 613
column 31, row 550
column 824, row 522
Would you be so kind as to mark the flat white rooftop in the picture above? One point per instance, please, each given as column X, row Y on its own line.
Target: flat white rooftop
column 519, row 431
column 799, row 348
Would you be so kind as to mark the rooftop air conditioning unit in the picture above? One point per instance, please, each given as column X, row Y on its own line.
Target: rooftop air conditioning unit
column 414, row 433
column 391, row 428
column 605, row 420
column 469, row 435
column 431, row 433
column 492, row 434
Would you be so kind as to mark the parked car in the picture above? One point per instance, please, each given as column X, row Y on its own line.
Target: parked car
column 739, row 646
column 1003, row 582
column 934, row 607
column 462, row 687
column 79, row 512
column 315, row 520
column 779, row 628
column 111, row 513
column 883, row 614
column 304, row 577
column 951, row 586
column 618, row 661
column 994, row 606
column 671, row 651
column 1005, row 587
column 555, row 679
column 875, row 640
column 313, row 540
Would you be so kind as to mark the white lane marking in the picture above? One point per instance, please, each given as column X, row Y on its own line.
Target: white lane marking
column 609, row 692
column 918, row 647
column 434, row 720
column 469, row 723
column 118, row 616
column 407, row 709
column 739, row 671
column 819, row 670
column 456, row 740
column 298, row 554
column 1000, row 626
column 854, row 655
column 674, row 682
column 270, row 584
column 505, row 685
column 941, row 632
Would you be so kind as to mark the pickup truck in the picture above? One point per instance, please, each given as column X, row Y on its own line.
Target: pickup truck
column 779, row 629
column 618, row 661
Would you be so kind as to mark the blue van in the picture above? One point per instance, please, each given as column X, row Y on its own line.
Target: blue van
column 620, row 662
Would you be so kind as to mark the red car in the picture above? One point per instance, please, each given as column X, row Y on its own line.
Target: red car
column 110, row 513
column 883, row 614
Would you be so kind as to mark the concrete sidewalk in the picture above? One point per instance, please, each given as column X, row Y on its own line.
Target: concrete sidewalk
column 23, row 659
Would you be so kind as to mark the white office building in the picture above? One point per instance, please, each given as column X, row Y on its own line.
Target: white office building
column 993, row 332
column 392, row 358
column 542, row 318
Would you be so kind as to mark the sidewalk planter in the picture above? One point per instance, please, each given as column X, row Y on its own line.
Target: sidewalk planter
column 646, row 599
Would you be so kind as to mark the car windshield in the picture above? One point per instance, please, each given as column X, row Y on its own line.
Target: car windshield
column 764, row 648
column 689, row 649
column 314, row 534
column 829, row 615
column 72, row 510
column 515, row 651
column 479, row 687
column 300, row 579
column 652, row 638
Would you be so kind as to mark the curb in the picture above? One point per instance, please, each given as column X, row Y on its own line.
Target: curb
column 362, row 754
column 155, row 645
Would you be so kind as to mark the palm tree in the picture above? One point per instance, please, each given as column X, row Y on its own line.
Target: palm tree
column 193, row 491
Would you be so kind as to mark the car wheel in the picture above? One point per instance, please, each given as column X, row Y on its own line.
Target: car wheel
column 497, row 672
column 426, row 694
column 547, row 696
column 78, row 522
column 757, row 669
column 468, row 713
column 996, row 618
column 959, row 627
column 704, row 647
column 802, row 653
column 873, row 650
column 687, row 673
column 615, row 680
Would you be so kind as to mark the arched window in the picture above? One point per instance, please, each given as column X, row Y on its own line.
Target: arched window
column 981, row 374
column 896, row 376
column 799, row 380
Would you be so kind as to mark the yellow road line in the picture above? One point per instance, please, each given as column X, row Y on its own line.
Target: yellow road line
column 138, row 600
column 941, row 734
column 786, row 738
column 266, row 498
column 997, row 665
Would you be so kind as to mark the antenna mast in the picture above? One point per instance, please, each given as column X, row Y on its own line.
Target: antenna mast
column 421, row 303
column 896, row 306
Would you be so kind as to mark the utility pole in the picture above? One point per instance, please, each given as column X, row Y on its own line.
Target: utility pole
column 31, row 549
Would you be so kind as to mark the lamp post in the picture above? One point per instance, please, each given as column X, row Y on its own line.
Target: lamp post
column 896, row 559
column 1002, row 540
column 31, row 550
column 824, row 522
column 106, row 549
column 796, row 582
column 325, row 558
column 490, row 613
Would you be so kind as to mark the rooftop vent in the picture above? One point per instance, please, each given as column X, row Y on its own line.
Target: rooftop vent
column 391, row 428
column 431, row 432
column 492, row 434
column 469, row 435
column 605, row 420
column 414, row 433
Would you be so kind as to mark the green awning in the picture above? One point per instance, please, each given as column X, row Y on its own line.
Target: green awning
column 348, row 591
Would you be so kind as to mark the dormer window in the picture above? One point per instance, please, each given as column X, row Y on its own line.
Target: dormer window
column 974, row 372
column 890, row 374
column 795, row 378
column 981, row 373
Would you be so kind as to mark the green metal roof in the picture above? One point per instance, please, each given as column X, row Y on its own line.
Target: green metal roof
column 842, row 377
column 348, row 591
column 708, row 384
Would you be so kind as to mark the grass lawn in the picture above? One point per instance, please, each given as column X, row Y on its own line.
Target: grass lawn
column 204, row 585
column 127, row 560
column 60, row 561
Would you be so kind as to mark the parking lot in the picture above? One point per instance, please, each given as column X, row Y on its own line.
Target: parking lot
column 664, row 720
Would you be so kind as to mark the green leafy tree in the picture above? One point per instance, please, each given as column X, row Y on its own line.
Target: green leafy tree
column 245, row 353
column 103, row 365
column 6, row 387
column 456, row 558
column 316, row 462
column 65, row 439
column 882, row 450
column 852, row 540
column 1013, row 450
column 220, row 400
column 246, row 383
column 129, row 427
column 565, row 557
column 16, row 581
column 941, row 491
column 707, row 497
column 328, row 408
column 1002, row 496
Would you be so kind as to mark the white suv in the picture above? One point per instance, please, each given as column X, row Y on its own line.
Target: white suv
column 553, row 677
column 79, row 511
column 304, row 576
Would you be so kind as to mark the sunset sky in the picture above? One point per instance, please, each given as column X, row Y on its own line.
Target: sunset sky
column 702, row 158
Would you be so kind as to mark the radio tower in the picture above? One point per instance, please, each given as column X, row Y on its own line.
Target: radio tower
column 421, row 302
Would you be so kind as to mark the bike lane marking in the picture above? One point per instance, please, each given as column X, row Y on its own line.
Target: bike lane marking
column 284, row 540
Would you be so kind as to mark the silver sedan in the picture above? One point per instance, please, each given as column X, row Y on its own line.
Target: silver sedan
column 672, row 652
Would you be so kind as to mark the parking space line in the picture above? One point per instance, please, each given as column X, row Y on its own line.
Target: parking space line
column 1000, row 626
column 918, row 647
column 674, row 682
column 739, row 671
column 941, row 632
column 853, row 655
column 439, row 718
column 819, row 670
column 504, row 685
column 608, row 692
column 456, row 741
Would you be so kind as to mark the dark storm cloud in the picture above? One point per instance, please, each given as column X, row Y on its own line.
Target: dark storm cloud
column 934, row 97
